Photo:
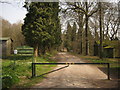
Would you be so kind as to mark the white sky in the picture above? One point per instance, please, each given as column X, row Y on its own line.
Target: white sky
column 12, row 11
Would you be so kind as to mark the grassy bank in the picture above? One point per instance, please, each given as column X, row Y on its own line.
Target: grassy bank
column 18, row 73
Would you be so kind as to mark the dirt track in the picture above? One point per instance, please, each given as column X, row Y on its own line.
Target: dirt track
column 76, row 76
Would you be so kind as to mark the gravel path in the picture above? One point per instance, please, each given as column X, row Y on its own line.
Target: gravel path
column 76, row 76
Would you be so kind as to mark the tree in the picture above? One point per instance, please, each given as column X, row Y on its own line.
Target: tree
column 100, row 22
column 13, row 31
column 86, row 8
column 73, row 32
column 40, row 26
column 16, row 34
column 74, row 17
column 68, row 37
column 111, row 21
column 57, row 29
column 79, row 34
column 6, row 28
column 73, row 37
column 95, row 21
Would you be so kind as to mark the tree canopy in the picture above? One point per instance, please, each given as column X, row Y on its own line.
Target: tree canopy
column 41, row 26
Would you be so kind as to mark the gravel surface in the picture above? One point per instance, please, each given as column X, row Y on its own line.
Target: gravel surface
column 76, row 76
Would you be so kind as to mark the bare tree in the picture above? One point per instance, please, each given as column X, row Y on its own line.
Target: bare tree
column 100, row 22
column 87, row 9
column 111, row 21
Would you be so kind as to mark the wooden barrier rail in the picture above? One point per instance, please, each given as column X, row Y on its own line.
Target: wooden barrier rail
column 68, row 63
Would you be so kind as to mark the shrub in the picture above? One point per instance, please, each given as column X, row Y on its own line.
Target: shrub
column 9, row 80
column 48, row 55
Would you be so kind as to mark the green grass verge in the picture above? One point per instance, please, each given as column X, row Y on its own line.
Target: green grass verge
column 114, row 62
column 23, row 70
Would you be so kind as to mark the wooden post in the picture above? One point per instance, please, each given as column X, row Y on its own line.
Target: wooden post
column 108, row 71
column 33, row 70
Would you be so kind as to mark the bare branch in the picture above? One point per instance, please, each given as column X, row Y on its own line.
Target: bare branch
column 93, row 11
column 76, row 7
column 5, row 2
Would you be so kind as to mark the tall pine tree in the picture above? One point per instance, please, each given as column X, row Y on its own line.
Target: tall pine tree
column 73, row 34
column 68, row 37
column 73, row 37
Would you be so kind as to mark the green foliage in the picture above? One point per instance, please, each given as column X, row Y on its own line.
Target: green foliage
column 21, row 74
column 24, row 47
column 70, row 37
column 42, row 25
column 9, row 79
column 112, row 44
column 73, row 34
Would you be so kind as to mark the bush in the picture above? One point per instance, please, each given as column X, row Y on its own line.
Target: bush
column 9, row 80
column 48, row 55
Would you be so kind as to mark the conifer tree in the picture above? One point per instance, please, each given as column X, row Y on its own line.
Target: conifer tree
column 39, row 26
column 73, row 34
column 68, row 37
column 73, row 37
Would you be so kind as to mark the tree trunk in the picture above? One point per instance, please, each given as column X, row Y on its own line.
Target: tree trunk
column 103, row 36
column 100, row 53
column 36, row 51
column 80, row 33
column 86, row 29
column 95, row 28
column 43, row 49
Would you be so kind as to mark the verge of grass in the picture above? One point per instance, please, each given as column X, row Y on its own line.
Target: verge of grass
column 23, row 68
column 114, row 62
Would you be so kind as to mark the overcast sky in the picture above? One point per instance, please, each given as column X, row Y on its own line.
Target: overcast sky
column 13, row 11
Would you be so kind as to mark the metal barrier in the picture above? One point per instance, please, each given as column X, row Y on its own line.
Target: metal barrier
column 67, row 63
